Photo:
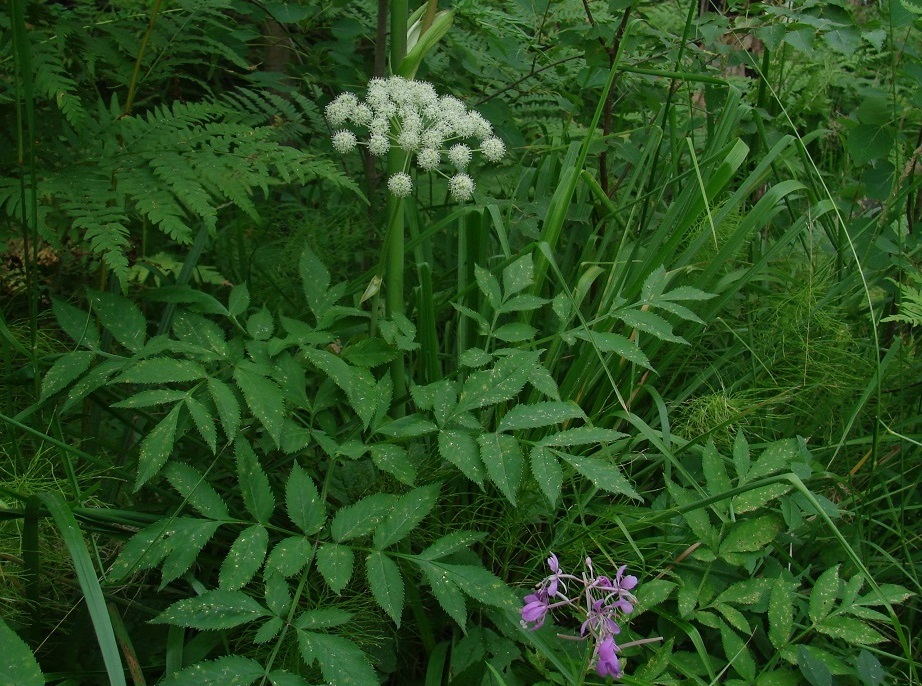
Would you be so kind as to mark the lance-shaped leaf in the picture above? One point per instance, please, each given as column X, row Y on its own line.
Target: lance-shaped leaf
column 230, row 669
column 322, row 618
column 341, row 661
column 501, row 383
column 451, row 543
column 303, row 502
column 289, row 555
column 122, row 319
column 65, row 370
column 504, row 461
column 547, row 472
column 76, row 323
column 607, row 342
column 446, row 592
column 253, row 482
column 406, row 515
column 603, row 473
column 19, row 665
column 245, row 557
column 226, row 404
column 264, row 398
column 540, row 414
column 460, row 448
column 157, row 446
column 335, row 563
column 192, row 485
column 386, row 584
column 217, row 609
column 204, row 423
column 161, row 370
column 362, row 517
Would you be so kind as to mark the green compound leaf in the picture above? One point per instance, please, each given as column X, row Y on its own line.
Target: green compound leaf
column 603, row 474
column 160, row 396
column 547, row 472
column 65, row 370
column 451, row 543
column 325, row 618
column 540, row 414
column 264, row 398
column 460, row 448
column 751, row 535
column 303, row 502
column 582, row 435
column 715, row 472
column 480, row 584
column 395, row 461
column 814, row 670
column 607, row 342
column 18, row 666
column 244, row 559
column 230, row 669
column 335, row 563
column 781, row 612
column 122, row 318
column 195, row 490
column 519, row 275
column 217, row 609
column 406, row 515
column 204, row 423
column 362, row 517
column 651, row 323
column 341, row 661
column 501, row 383
column 315, row 279
column 488, row 285
column 226, row 404
column 289, row 555
column 386, row 584
column 254, row 484
column 824, row 594
column 185, row 549
column 446, row 592
column 775, row 458
column 157, row 446
column 849, row 629
column 505, row 463
column 76, row 323
column 161, row 370
column 238, row 301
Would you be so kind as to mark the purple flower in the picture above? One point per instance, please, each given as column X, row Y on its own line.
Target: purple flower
column 535, row 609
column 606, row 658
column 600, row 620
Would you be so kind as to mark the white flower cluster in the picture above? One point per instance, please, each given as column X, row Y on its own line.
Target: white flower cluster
column 398, row 112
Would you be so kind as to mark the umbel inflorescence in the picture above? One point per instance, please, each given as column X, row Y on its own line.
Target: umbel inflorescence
column 430, row 129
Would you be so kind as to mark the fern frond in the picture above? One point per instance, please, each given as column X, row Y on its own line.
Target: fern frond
column 52, row 81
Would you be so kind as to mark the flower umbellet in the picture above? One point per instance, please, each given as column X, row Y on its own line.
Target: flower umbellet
column 601, row 602
column 410, row 115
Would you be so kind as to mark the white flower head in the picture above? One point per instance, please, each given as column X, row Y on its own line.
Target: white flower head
column 362, row 114
column 461, row 187
column 428, row 159
column 493, row 149
column 460, row 155
column 400, row 184
column 341, row 109
column 378, row 144
column 344, row 141
column 408, row 139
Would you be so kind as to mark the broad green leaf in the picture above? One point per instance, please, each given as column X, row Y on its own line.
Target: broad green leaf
column 734, row 618
column 649, row 322
column 160, row 396
column 278, row 592
column 395, row 461
column 386, row 584
column 253, row 482
column 410, row 426
column 519, row 275
column 302, row 500
column 869, row 669
column 451, row 543
column 146, row 549
column 582, row 435
column 369, row 352
column 76, row 323
column 357, row 383
column 515, row 332
column 752, row 500
column 279, row 677
column 504, row 461
column 406, row 515
column 460, row 448
column 122, row 318
column 547, row 472
column 738, row 655
column 824, row 594
column 775, row 458
column 746, row 592
column 603, row 473
column 162, row 370
column 227, row 406
column 607, row 342
column 501, row 383
column 238, row 301
column 540, row 414
column 335, row 563
column 751, row 535
column 488, row 285
column 194, row 488
column 741, row 457
column 654, row 285
column 715, row 472
column 204, row 423
column 446, row 592
column 542, row 380
column 192, row 298
column 268, row 630
column 289, row 555
column 652, row 593
column 315, row 279
column 475, row 357
column 66, row 369
column 244, row 558
column 525, row 302
column 216, row 609
column 201, row 332
column 892, row 593
column 264, row 398
column 781, row 612
column 849, row 629
column 362, row 517
column 18, row 666
column 341, row 661
column 156, row 447
column 230, row 669
column 481, row 585
column 324, row 618
column 813, row 669
column 696, row 517
column 260, row 325
column 185, row 548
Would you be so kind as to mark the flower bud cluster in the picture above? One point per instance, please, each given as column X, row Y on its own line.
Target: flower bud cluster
column 599, row 601
column 410, row 115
